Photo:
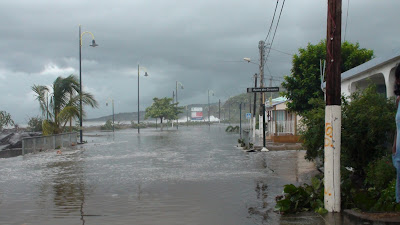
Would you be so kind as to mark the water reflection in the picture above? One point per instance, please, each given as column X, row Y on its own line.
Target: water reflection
column 65, row 183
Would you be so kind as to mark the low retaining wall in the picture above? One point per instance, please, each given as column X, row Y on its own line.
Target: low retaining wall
column 10, row 153
column 42, row 143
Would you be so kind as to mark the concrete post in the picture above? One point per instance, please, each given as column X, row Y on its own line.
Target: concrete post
column 332, row 157
column 34, row 144
column 23, row 146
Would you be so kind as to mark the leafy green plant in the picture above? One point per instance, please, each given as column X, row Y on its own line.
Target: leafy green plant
column 302, row 198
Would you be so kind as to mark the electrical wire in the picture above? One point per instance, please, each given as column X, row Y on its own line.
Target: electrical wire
column 276, row 27
column 347, row 18
column 272, row 22
column 281, row 51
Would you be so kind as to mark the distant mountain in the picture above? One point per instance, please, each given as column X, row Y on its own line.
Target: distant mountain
column 127, row 116
column 229, row 107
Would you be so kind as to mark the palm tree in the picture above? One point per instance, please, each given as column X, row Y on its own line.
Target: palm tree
column 63, row 105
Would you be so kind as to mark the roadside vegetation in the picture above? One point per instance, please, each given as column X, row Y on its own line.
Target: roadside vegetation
column 5, row 119
column 35, row 124
column 60, row 103
column 367, row 174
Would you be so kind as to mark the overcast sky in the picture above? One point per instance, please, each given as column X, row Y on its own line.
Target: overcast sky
column 200, row 43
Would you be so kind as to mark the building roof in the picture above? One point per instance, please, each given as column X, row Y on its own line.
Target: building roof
column 275, row 101
column 395, row 54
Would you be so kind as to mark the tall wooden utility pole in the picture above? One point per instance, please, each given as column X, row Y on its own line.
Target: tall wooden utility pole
column 254, row 109
column 333, row 114
column 261, row 47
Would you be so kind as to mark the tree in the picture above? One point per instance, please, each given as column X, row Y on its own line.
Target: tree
column 163, row 109
column 304, row 83
column 63, row 105
column 35, row 124
column 5, row 119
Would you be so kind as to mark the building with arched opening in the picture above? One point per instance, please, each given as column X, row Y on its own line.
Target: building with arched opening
column 379, row 70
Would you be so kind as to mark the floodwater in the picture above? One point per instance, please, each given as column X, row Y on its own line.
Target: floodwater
column 194, row 175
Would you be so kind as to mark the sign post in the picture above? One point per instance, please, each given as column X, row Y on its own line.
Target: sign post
column 263, row 89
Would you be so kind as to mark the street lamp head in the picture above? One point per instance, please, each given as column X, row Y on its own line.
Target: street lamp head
column 94, row 43
column 247, row 59
column 181, row 86
column 145, row 74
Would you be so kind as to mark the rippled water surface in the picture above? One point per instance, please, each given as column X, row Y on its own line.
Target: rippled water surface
column 191, row 176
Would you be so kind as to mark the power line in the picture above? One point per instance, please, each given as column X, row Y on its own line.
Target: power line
column 272, row 22
column 276, row 27
column 281, row 51
column 347, row 18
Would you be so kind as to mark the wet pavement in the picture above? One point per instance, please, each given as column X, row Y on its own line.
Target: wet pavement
column 191, row 176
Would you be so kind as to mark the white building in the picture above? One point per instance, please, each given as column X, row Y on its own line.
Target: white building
column 379, row 70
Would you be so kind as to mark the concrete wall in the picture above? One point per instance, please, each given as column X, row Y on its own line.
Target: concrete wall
column 10, row 153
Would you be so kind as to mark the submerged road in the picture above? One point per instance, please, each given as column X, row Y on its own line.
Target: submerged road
column 193, row 175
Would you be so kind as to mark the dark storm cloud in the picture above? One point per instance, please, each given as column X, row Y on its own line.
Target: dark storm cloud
column 199, row 43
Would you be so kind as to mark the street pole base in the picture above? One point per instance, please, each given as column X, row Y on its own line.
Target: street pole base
column 264, row 149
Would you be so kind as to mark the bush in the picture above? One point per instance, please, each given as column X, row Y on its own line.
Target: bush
column 312, row 129
column 302, row 198
column 35, row 124
column 380, row 173
column 368, row 127
column 107, row 126
column 387, row 199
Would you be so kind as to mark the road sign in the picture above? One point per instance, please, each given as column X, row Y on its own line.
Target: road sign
column 264, row 89
column 248, row 115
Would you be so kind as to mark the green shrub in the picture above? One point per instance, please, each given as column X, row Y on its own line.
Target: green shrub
column 312, row 130
column 368, row 127
column 107, row 126
column 380, row 172
column 387, row 199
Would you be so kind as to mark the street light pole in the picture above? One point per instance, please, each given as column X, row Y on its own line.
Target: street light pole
column 209, row 107
column 80, row 78
column 138, row 112
column 112, row 101
column 138, row 104
column 176, row 96
column 80, row 86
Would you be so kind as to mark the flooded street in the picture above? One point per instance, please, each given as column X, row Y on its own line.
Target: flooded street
column 191, row 176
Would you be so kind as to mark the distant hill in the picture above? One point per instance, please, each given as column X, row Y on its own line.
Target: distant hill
column 127, row 116
column 231, row 105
